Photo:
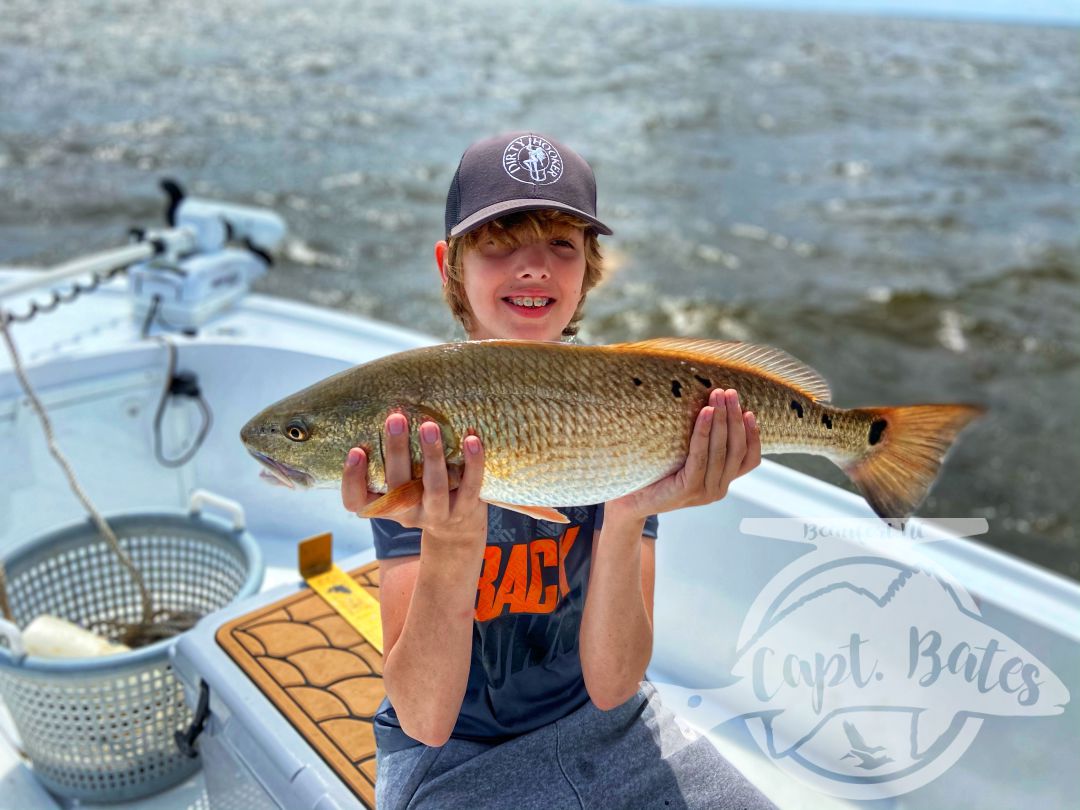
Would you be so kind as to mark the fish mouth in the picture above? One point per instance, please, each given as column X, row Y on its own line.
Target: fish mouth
column 282, row 473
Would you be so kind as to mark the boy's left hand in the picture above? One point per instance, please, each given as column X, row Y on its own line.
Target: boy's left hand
column 725, row 444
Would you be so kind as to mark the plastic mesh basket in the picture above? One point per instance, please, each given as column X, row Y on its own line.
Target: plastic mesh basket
column 102, row 729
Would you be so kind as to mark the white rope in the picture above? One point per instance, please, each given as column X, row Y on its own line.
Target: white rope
column 73, row 482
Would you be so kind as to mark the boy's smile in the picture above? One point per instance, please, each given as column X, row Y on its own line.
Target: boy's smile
column 530, row 303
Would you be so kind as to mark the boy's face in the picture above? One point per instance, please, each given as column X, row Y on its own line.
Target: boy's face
column 499, row 280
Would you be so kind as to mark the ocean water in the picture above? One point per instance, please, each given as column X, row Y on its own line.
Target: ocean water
column 895, row 201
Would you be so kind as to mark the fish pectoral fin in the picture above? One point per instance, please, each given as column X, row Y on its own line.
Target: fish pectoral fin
column 536, row 512
column 396, row 501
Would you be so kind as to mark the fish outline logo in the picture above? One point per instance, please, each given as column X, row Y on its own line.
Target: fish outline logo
column 891, row 688
column 532, row 159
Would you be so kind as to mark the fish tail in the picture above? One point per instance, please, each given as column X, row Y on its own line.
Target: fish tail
column 905, row 447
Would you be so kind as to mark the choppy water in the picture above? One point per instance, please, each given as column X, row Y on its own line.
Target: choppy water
column 894, row 201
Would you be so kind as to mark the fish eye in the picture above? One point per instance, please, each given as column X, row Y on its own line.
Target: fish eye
column 297, row 431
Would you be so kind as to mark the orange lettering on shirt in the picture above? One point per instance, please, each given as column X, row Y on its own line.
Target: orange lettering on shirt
column 566, row 542
column 543, row 553
column 521, row 586
column 513, row 590
column 485, row 588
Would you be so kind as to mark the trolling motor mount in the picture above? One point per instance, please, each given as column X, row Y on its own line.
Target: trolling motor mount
column 230, row 246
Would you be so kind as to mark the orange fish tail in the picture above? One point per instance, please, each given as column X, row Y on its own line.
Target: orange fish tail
column 905, row 447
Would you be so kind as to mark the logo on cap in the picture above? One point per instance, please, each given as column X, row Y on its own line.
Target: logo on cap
column 531, row 159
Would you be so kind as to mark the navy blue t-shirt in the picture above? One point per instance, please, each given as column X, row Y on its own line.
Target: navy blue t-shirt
column 525, row 670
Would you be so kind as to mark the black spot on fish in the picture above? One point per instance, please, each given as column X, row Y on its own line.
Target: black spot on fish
column 676, row 388
column 637, row 381
column 876, row 429
column 704, row 381
column 795, row 406
column 826, row 420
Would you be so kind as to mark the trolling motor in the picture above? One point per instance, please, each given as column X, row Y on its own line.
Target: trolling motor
column 179, row 276
column 185, row 284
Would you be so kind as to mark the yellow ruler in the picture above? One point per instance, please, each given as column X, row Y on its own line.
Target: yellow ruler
column 343, row 593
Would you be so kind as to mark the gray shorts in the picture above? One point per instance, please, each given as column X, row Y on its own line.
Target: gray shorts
column 635, row 756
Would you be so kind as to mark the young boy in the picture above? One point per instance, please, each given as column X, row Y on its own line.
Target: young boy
column 496, row 699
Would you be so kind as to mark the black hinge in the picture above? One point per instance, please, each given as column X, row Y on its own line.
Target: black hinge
column 185, row 740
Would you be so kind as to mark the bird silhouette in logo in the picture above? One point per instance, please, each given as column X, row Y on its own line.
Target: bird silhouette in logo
column 862, row 751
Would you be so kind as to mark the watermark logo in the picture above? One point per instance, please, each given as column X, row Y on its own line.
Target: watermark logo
column 867, row 675
column 869, row 531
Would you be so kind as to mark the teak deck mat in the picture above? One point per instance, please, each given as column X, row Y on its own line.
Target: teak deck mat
column 319, row 673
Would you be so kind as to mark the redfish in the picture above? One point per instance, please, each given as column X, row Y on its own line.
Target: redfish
column 568, row 424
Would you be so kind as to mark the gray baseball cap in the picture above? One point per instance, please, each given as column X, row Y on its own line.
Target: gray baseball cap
column 519, row 171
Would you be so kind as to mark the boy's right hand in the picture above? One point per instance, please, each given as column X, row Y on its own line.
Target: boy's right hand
column 453, row 516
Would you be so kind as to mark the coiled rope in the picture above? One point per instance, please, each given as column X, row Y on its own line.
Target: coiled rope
column 152, row 626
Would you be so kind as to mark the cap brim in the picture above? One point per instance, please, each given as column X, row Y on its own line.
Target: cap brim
column 501, row 209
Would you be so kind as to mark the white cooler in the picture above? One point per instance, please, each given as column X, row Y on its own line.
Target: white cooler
column 287, row 692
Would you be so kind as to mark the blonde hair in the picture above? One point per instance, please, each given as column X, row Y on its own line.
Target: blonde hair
column 511, row 231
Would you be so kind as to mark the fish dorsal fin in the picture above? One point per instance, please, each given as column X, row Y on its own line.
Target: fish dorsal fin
column 766, row 360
